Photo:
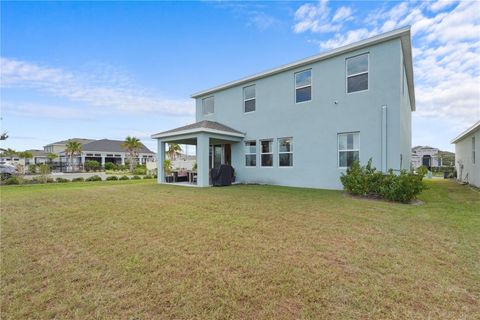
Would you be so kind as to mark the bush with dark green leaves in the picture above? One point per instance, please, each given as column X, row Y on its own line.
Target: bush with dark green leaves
column 148, row 177
column 92, row 165
column 11, row 181
column 367, row 181
column 94, row 178
column 136, row 178
column 112, row 178
column 79, row 179
column 110, row 166
column 62, row 180
column 32, row 168
column 124, row 178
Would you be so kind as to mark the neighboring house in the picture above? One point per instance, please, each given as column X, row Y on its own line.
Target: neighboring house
column 467, row 146
column 106, row 150
column 304, row 123
column 431, row 157
column 39, row 156
column 59, row 146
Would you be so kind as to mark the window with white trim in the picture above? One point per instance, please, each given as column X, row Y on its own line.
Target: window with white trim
column 357, row 73
column 303, row 86
column 266, row 153
column 250, row 153
column 208, row 105
column 473, row 150
column 348, row 149
column 285, row 152
column 249, row 99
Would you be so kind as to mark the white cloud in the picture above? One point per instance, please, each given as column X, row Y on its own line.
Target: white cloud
column 343, row 13
column 316, row 18
column 112, row 93
column 46, row 111
column 446, row 50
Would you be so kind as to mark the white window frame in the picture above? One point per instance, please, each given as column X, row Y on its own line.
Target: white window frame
column 357, row 74
column 301, row 87
column 346, row 150
column 203, row 106
column 264, row 153
column 249, row 153
column 285, row 152
column 254, row 98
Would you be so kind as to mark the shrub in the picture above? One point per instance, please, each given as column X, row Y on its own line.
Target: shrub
column 140, row 170
column 49, row 180
column 367, row 181
column 110, row 166
column 121, row 167
column 136, row 178
column 92, row 165
column 148, row 177
column 112, row 178
column 12, row 180
column 62, row 180
column 124, row 178
column 32, row 168
column 94, row 178
column 79, row 179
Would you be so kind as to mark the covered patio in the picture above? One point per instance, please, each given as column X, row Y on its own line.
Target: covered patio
column 213, row 143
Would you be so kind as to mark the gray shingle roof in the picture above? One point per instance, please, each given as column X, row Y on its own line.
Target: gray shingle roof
column 37, row 153
column 107, row 145
column 81, row 140
column 205, row 124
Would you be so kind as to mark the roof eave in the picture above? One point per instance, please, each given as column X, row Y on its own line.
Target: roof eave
column 398, row 33
column 194, row 131
column 465, row 133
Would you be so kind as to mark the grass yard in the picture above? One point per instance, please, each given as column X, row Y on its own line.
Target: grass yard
column 138, row 250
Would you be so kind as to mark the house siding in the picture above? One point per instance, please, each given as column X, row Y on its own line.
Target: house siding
column 463, row 154
column 314, row 125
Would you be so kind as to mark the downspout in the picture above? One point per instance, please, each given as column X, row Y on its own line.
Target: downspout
column 384, row 138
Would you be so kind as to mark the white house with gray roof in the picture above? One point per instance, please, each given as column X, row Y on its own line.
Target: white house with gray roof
column 304, row 123
column 467, row 162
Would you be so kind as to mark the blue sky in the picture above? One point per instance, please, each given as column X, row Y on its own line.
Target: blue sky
column 112, row 69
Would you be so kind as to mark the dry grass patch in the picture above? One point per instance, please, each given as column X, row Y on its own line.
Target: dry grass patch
column 141, row 250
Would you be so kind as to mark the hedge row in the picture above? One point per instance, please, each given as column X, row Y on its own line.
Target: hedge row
column 16, row 180
column 367, row 181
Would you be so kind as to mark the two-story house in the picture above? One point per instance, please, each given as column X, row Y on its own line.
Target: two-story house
column 304, row 123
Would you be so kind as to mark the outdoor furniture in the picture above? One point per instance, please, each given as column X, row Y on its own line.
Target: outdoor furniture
column 222, row 176
column 192, row 176
column 180, row 176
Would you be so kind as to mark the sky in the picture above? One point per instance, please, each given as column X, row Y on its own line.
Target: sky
column 111, row 69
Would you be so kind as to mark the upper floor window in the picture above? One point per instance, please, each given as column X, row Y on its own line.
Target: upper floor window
column 208, row 105
column 357, row 73
column 250, row 153
column 285, row 152
column 303, row 86
column 267, row 153
column 348, row 148
column 249, row 98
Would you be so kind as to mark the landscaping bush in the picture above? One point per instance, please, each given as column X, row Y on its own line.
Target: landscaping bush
column 49, row 180
column 148, row 177
column 110, row 166
column 92, row 165
column 62, row 180
column 32, row 168
column 367, row 181
column 136, row 178
column 112, row 178
column 140, row 170
column 79, row 179
column 94, row 178
column 11, row 181
column 124, row 178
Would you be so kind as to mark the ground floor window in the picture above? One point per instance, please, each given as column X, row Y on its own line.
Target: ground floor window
column 285, row 152
column 250, row 153
column 348, row 148
column 267, row 153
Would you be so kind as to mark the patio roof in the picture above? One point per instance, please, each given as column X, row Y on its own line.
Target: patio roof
column 204, row 126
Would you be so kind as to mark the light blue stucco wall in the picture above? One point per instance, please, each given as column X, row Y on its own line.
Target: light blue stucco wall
column 314, row 125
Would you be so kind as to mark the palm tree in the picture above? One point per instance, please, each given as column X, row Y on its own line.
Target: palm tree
column 174, row 150
column 51, row 157
column 72, row 148
column 131, row 144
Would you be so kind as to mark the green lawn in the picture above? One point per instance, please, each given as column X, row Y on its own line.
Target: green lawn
column 138, row 250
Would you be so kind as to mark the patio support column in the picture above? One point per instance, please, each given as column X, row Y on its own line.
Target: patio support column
column 160, row 159
column 103, row 160
column 203, row 143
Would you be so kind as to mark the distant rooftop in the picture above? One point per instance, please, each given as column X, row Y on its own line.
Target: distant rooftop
column 81, row 140
column 107, row 145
